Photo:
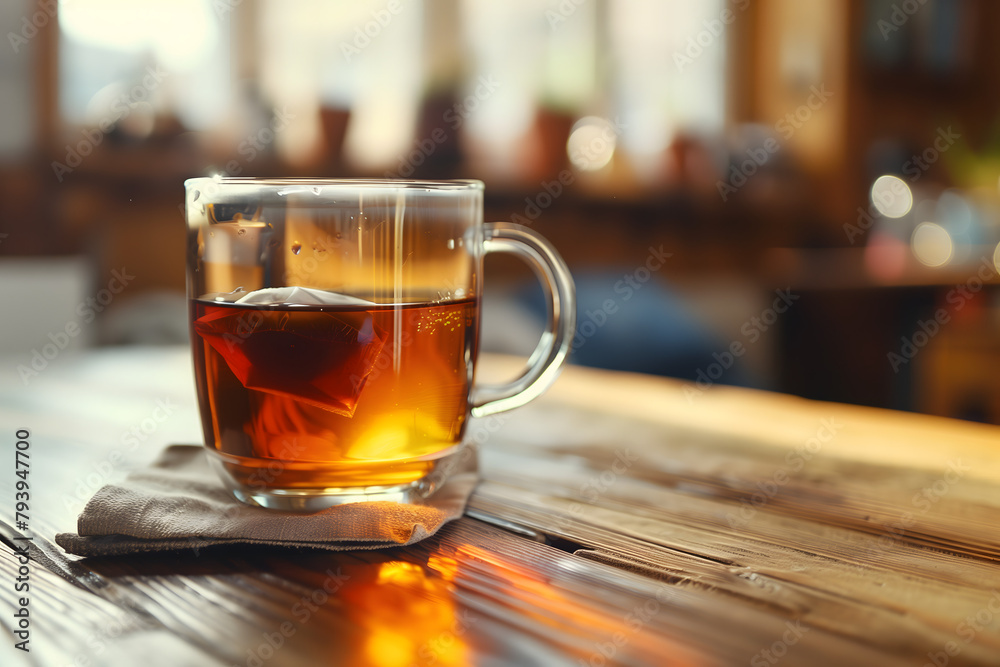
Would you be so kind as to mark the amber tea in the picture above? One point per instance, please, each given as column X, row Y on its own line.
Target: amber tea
column 333, row 396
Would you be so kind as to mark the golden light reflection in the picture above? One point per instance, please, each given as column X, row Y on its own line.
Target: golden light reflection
column 932, row 244
column 891, row 196
column 550, row 606
column 592, row 629
column 996, row 257
column 446, row 567
column 409, row 616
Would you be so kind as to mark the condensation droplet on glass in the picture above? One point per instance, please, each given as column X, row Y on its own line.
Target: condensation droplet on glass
column 211, row 234
column 195, row 195
column 316, row 190
column 296, row 248
column 241, row 232
column 338, row 236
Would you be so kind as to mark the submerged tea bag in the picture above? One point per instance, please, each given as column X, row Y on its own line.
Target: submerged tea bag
column 310, row 345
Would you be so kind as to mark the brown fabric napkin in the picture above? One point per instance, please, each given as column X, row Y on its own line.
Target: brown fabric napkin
column 179, row 503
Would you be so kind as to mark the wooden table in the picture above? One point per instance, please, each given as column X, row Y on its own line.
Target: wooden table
column 621, row 520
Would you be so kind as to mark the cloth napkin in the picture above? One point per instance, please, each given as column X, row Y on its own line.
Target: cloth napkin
column 179, row 503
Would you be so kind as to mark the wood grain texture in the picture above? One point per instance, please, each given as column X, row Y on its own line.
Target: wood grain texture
column 621, row 520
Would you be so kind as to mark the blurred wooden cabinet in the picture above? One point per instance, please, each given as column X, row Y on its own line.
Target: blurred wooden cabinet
column 959, row 372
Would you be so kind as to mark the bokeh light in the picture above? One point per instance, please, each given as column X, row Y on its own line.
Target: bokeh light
column 591, row 143
column 932, row 244
column 885, row 257
column 891, row 196
column 954, row 209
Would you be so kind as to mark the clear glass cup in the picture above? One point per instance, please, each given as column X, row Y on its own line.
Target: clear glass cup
column 335, row 329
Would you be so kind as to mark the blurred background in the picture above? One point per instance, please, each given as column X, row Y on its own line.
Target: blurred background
column 797, row 196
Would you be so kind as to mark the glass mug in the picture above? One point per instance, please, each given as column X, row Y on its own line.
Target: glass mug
column 335, row 330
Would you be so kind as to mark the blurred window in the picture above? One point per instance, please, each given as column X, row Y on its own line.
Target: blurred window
column 648, row 66
column 363, row 56
column 668, row 64
column 120, row 56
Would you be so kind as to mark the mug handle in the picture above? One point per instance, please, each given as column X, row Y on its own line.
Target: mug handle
column 546, row 361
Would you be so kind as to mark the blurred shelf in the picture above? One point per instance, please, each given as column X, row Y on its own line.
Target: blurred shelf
column 850, row 269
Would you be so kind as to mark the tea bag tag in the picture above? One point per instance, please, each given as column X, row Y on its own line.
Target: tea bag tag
column 299, row 296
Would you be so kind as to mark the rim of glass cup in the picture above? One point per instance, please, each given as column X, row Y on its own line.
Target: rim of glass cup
column 374, row 183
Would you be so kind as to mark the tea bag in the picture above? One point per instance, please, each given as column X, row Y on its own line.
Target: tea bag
column 320, row 356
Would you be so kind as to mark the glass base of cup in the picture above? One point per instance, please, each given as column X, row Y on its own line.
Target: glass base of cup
column 313, row 498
